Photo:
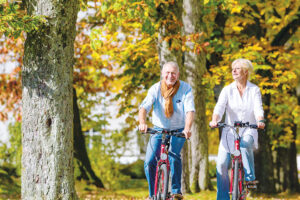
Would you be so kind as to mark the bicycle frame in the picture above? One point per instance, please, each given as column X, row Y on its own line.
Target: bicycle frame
column 237, row 180
column 237, row 157
column 164, row 158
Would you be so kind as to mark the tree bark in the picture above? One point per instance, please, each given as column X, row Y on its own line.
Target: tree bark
column 166, row 52
column 47, row 100
column 80, row 152
column 195, row 65
column 185, row 178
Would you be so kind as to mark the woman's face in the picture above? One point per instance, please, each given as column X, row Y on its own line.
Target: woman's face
column 238, row 73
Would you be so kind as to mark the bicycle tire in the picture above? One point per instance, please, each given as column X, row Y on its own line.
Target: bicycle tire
column 235, row 190
column 162, row 182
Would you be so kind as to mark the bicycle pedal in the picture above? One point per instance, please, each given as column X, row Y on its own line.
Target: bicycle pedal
column 251, row 186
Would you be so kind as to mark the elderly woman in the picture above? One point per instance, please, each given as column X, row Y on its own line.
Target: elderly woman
column 242, row 102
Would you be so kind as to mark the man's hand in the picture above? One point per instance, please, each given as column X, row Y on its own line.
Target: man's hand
column 187, row 133
column 143, row 127
column 142, row 120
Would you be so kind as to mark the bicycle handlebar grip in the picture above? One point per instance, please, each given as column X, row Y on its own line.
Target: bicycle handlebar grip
column 254, row 126
column 151, row 131
column 220, row 124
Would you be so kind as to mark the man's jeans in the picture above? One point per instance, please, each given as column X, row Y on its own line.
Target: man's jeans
column 153, row 153
column 223, row 162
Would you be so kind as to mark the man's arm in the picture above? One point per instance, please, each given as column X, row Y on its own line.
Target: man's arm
column 142, row 120
column 189, row 119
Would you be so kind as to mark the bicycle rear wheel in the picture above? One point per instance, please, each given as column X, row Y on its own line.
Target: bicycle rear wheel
column 235, row 189
column 162, row 183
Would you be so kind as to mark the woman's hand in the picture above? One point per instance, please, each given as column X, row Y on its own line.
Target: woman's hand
column 261, row 125
column 213, row 124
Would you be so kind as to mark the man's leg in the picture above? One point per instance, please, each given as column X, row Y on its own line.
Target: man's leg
column 223, row 162
column 153, row 150
column 175, row 163
column 248, row 157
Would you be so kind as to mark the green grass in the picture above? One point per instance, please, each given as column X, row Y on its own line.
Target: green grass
column 138, row 190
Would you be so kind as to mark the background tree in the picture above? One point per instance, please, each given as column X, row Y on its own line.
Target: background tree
column 47, row 100
column 194, row 63
column 253, row 31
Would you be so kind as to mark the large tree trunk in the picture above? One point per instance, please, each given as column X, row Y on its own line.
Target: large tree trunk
column 263, row 158
column 47, row 100
column 80, row 152
column 195, row 65
column 185, row 177
column 168, row 48
column 166, row 53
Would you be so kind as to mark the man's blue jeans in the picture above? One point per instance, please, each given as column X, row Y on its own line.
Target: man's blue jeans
column 223, row 162
column 153, row 153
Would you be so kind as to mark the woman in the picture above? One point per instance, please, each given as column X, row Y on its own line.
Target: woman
column 242, row 102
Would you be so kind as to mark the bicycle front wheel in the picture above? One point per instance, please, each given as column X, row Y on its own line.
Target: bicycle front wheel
column 162, row 182
column 235, row 190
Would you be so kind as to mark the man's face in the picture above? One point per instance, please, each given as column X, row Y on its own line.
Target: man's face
column 170, row 75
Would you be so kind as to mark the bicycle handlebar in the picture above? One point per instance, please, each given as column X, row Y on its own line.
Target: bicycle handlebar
column 238, row 124
column 167, row 132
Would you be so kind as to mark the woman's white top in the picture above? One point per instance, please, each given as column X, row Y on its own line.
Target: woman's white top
column 246, row 108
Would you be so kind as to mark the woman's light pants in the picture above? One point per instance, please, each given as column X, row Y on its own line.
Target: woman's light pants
column 223, row 163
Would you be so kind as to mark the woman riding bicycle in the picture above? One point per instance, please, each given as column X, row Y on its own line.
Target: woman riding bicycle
column 242, row 102
column 173, row 109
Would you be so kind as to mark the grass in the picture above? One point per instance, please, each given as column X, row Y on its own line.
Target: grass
column 138, row 190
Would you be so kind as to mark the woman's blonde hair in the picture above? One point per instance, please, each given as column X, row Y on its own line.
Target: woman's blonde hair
column 245, row 64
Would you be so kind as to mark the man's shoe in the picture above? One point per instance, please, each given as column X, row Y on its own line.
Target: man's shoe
column 177, row 196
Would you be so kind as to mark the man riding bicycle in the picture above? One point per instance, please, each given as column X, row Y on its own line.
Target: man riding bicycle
column 173, row 109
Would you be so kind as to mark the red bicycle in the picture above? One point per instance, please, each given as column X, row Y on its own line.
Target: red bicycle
column 238, row 186
column 163, row 166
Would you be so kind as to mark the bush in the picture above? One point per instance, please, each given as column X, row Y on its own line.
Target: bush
column 212, row 169
column 134, row 170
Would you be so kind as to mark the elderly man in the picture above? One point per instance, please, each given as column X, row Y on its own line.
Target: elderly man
column 173, row 109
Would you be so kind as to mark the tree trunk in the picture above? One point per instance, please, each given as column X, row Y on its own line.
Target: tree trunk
column 264, row 163
column 185, row 178
column 195, row 65
column 47, row 100
column 263, row 158
column 167, row 52
column 80, row 152
column 293, row 185
column 166, row 48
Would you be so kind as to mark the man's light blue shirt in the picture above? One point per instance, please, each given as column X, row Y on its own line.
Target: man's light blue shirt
column 183, row 102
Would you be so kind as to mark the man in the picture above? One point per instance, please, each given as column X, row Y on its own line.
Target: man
column 173, row 109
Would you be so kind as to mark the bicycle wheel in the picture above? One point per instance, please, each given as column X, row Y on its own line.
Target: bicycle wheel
column 235, row 189
column 162, row 182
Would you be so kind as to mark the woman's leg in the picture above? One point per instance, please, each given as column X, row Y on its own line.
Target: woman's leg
column 248, row 157
column 223, row 162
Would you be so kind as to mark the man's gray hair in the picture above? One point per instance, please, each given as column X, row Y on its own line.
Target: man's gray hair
column 171, row 63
